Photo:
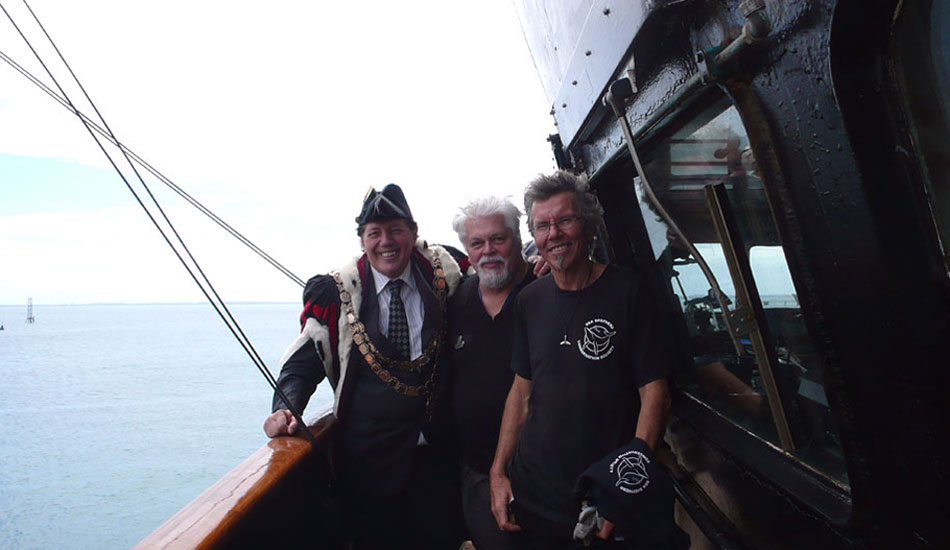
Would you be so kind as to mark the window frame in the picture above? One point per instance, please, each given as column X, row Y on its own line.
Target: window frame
column 828, row 497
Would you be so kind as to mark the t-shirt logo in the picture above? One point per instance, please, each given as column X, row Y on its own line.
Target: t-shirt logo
column 596, row 344
column 631, row 471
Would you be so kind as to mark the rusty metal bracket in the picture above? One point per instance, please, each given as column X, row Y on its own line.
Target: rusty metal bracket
column 707, row 61
column 743, row 320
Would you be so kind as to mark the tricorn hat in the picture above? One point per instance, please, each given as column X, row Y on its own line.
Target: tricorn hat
column 386, row 204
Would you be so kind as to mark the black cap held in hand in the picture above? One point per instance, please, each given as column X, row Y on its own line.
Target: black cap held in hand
column 635, row 493
column 383, row 205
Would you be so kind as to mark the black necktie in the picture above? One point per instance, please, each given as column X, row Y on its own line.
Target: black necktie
column 398, row 322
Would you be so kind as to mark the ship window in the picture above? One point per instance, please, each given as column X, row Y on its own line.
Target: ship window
column 922, row 62
column 713, row 148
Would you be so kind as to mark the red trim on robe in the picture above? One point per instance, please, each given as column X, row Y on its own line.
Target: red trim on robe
column 331, row 317
column 424, row 264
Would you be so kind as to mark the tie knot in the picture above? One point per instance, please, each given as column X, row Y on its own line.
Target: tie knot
column 394, row 285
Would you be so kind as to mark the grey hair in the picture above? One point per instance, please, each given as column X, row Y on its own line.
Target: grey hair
column 485, row 207
column 544, row 187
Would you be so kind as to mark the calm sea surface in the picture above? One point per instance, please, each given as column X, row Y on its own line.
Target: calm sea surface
column 113, row 417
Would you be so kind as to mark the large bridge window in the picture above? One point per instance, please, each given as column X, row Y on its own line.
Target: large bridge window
column 774, row 388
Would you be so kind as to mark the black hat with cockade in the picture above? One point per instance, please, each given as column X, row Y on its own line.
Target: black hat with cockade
column 386, row 204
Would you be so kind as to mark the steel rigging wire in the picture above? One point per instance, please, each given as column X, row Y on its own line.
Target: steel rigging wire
column 218, row 305
column 154, row 171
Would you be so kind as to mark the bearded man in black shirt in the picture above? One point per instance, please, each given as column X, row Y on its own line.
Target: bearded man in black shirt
column 480, row 331
column 589, row 372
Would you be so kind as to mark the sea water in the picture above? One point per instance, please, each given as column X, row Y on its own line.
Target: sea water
column 113, row 417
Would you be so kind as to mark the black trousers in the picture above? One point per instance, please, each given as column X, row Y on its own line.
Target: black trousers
column 476, row 507
column 426, row 515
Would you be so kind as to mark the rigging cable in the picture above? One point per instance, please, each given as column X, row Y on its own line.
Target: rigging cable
column 152, row 170
column 227, row 317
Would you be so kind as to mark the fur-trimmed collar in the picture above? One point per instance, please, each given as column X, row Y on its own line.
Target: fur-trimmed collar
column 350, row 275
column 318, row 334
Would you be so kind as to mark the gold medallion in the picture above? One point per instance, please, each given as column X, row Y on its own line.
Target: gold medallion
column 374, row 358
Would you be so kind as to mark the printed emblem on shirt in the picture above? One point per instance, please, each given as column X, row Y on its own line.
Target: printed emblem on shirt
column 596, row 344
column 631, row 471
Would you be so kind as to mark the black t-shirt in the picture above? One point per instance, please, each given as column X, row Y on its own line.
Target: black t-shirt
column 480, row 356
column 584, row 400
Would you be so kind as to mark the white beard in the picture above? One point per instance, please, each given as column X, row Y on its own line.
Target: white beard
column 493, row 278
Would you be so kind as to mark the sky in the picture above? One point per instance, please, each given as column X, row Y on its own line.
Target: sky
column 278, row 117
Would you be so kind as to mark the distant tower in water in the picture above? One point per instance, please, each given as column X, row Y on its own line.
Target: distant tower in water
column 29, row 311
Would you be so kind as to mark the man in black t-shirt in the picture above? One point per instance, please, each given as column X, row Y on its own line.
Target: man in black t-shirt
column 589, row 371
column 479, row 343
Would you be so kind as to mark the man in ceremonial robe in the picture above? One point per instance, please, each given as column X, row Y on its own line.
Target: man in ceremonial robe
column 375, row 330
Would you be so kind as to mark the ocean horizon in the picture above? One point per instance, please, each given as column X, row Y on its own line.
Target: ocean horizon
column 73, row 304
column 116, row 415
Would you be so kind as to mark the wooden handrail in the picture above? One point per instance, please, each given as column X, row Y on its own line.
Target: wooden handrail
column 239, row 498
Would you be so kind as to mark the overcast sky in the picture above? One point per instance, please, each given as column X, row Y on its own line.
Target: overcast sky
column 277, row 116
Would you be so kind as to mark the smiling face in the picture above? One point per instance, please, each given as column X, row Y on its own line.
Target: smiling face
column 388, row 245
column 492, row 249
column 561, row 247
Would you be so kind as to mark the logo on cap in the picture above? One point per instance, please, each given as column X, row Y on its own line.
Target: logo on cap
column 631, row 471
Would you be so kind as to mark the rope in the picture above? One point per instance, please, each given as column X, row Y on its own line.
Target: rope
column 218, row 305
column 149, row 168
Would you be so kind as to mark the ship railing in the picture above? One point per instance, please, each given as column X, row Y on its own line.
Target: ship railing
column 271, row 496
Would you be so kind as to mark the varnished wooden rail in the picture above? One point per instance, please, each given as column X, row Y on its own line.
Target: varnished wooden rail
column 247, row 497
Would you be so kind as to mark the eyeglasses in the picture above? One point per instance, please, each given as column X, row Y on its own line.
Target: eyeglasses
column 564, row 223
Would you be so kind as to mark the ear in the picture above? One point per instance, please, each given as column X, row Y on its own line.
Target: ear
column 590, row 232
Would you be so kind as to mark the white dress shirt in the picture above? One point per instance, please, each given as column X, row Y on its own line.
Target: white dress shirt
column 412, row 301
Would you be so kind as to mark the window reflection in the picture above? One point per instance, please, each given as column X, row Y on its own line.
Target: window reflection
column 729, row 383
column 714, row 148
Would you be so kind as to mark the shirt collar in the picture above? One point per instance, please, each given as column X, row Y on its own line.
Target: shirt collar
column 382, row 280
